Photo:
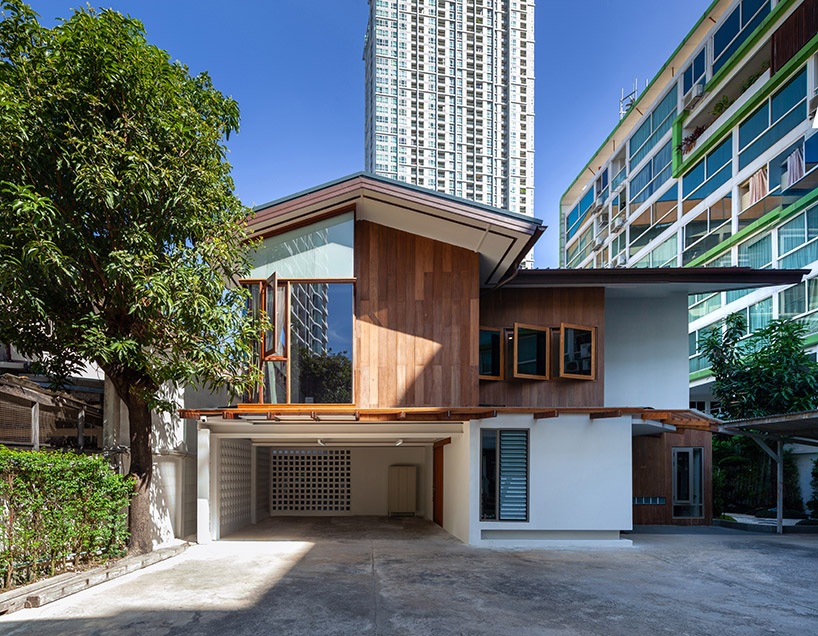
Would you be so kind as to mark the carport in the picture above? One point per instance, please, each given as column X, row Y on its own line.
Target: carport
column 256, row 465
column 789, row 428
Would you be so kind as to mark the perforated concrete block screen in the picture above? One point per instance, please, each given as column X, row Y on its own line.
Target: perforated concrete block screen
column 307, row 480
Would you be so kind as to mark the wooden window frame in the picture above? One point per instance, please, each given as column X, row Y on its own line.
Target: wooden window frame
column 528, row 376
column 594, row 357
column 501, row 332
column 287, row 358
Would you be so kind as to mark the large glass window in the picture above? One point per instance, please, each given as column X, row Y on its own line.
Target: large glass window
column 321, row 343
column 503, row 475
column 777, row 116
column 707, row 230
column 708, row 175
column 650, row 178
column 653, row 220
column 323, row 249
column 579, row 213
column 655, row 126
column 306, row 356
column 736, row 28
column 694, row 73
column 797, row 246
column 756, row 253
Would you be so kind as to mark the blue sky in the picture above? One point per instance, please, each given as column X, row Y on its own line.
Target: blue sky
column 295, row 68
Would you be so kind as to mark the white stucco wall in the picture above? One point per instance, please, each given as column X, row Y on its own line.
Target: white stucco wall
column 458, row 500
column 579, row 480
column 646, row 352
column 370, row 477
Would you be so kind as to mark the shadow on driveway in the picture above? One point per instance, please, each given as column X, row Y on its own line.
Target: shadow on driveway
column 353, row 575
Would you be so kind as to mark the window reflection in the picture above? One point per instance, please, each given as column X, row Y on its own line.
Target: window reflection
column 321, row 343
column 578, row 352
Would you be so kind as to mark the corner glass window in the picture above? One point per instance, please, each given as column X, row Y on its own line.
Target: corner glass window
column 503, row 475
column 531, row 352
column 491, row 354
column 577, row 352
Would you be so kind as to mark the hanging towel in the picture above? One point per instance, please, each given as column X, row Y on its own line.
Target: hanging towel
column 758, row 186
column 795, row 167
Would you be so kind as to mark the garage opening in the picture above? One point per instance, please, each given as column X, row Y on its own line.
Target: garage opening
column 259, row 479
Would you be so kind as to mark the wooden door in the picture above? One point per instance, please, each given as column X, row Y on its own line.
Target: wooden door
column 437, row 486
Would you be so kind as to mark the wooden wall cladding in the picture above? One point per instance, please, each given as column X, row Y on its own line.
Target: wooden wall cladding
column 546, row 308
column 417, row 328
column 653, row 476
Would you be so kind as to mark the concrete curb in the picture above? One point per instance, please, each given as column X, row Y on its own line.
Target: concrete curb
column 54, row 588
column 755, row 527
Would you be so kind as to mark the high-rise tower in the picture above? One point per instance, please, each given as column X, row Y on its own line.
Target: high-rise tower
column 450, row 97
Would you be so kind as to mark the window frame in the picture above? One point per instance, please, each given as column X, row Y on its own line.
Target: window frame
column 529, row 376
column 497, row 518
column 287, row 357
column 594, row 357
column 689, row 450
column 502, row 348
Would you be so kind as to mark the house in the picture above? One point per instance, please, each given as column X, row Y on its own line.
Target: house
column 412, row 368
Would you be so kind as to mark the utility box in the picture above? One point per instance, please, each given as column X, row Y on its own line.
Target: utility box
column 403, row 492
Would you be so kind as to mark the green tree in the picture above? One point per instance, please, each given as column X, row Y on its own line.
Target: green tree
column 767, row 373
column 119, row 228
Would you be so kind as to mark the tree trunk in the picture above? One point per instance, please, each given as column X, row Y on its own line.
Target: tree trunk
column 139, row 514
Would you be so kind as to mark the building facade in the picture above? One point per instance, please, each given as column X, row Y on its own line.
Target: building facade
column 533, row 407
column 714, row 165
column 450, row 97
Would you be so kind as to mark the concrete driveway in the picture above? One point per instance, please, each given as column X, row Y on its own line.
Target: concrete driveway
column 379, row 576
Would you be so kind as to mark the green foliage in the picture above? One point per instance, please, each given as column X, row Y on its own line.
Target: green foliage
column 720, row 106
column 744, row 477
column 767, row 373
column 812, row 504
column 119, row 229
column 54, row 506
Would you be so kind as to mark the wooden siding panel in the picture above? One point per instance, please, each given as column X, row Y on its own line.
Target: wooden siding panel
column 546, row 308
column 416, row 320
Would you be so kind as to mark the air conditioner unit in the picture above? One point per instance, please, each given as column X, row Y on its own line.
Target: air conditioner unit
column 813, row 104
column 618, row 261
column 693, row 96
column 598, row 243
column 603, row 216
column 619, row 222
column 600, row 201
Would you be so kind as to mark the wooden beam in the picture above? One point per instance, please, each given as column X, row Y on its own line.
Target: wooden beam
column 655, row 415
column 543, row 415
column 442, row 442
column 599, row 415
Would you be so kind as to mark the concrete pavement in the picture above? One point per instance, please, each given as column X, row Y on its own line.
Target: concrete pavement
column 406, row 576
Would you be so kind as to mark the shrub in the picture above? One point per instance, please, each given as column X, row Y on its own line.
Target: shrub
column 55, row 507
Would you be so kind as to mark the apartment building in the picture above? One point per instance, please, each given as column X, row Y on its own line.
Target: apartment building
column 450, row 98
column 714, row 165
